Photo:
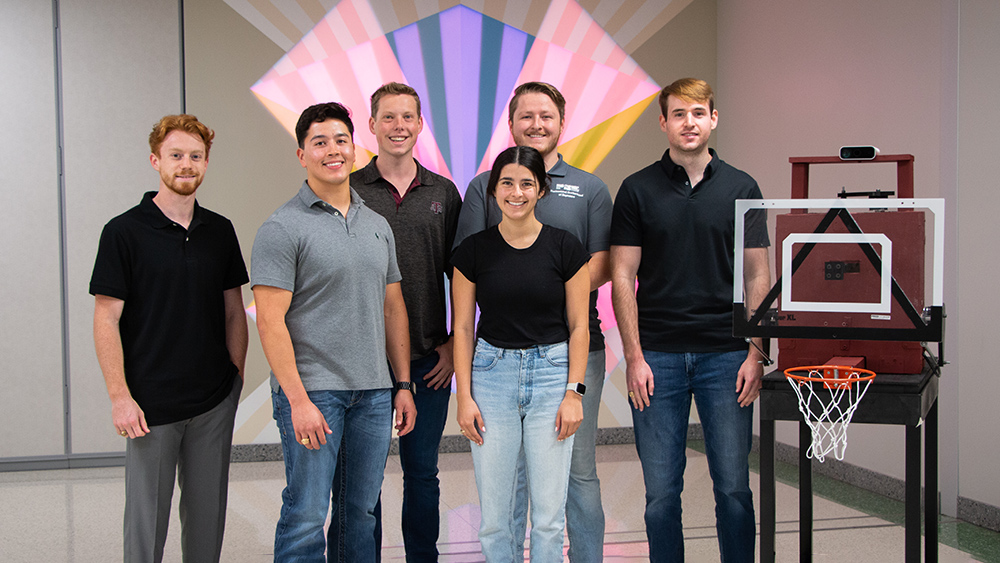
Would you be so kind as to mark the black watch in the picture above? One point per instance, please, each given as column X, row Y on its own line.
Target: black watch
column 578, row 388
column 406, row 386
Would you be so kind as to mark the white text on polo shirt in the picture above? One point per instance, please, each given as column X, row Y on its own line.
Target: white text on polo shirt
column 567, row 190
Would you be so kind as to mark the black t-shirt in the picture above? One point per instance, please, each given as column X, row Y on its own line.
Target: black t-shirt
column 173, row 324
column 685, row 276
column 521, row 292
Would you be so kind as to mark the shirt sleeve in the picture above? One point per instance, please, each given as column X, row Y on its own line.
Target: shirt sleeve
column 453, row 210
column 464, row 259
column 274, row 257
column 392, row 274
column 626, row 223
column 112, row 273
column 599, row 220
column 472, row 218
column 236, row 275
column 573, row 254
column 755, row 224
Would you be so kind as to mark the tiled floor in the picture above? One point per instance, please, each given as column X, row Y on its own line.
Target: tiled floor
column 75, row 516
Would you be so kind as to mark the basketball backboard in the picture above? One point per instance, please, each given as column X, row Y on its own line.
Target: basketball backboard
column 849, row 271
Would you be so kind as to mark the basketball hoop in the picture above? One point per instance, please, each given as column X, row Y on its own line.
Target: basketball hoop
column 828, row 397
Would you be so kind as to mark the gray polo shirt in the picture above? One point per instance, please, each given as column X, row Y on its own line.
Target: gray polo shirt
column 579, row 202
column 337, row 269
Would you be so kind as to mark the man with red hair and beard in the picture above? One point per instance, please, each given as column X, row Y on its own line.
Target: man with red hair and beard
column 171, row 339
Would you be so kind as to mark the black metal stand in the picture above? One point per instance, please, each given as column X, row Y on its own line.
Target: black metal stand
column 910, row 400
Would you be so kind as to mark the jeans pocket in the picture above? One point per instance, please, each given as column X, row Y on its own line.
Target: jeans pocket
column 485, row 359
column 558, row 355
column 278, row 408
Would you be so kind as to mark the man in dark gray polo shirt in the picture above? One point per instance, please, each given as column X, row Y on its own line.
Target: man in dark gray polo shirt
column 329, row 311
column 422, row 208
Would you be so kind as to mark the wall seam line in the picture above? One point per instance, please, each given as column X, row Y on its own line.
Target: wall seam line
column 63, row 243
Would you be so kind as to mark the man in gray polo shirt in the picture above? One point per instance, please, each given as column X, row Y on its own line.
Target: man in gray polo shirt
column 329, row 310
column 580, row 203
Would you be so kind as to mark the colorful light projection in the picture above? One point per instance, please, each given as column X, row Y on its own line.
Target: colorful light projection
column 465, row 66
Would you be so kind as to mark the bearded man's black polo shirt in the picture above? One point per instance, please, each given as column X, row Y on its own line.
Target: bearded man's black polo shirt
column 173, row 324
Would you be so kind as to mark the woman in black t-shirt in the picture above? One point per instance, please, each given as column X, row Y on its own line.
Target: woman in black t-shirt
column 520, row 385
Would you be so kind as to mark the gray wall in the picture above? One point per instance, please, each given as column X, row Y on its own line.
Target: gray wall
column 31, row 322
column 110, row 104
column 974, row 277
column 253, row 168
column 120, row 70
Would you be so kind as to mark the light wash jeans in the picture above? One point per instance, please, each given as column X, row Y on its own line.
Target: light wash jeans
column 518, row 393
column 584, row 512
column 661, row 439
column 363, row 420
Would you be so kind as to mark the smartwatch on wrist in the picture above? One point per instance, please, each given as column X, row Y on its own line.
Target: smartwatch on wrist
column 578, row 388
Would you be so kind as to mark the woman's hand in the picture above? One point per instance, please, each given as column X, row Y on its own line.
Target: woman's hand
column 471, row 420
column 570, row 415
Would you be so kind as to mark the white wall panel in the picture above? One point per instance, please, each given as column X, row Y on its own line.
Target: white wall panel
column 31, row 421
column 121, row 73
column 978, row 203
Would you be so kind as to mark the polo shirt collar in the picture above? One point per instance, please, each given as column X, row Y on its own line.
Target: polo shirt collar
column 156, row 219
column 676, row 172
column 309, row 197
column 370, row 174
column 560, row 169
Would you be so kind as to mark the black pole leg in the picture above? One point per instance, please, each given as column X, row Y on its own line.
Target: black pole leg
column 805, row 495
column 912, row 532
column 768, row 516
column 932, row 505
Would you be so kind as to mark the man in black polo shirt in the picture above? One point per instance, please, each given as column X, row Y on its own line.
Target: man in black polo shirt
column 171, row 339
column 672, row 230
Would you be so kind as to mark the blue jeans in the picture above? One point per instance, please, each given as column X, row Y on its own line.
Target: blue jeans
column 363, row 420
column 518, row 393
column 418, row 455
column 584, row 512
column 661, row 439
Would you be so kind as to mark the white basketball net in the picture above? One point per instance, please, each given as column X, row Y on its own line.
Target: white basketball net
column 827, row 409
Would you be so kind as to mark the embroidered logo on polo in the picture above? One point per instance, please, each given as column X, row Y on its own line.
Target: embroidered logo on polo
column 437, row 207
column 567, row 190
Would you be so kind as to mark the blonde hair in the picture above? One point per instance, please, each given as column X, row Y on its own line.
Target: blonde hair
column 689, row 90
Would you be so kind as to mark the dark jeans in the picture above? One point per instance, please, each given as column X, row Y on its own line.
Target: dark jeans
column 661, row 439
column 418, row 456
